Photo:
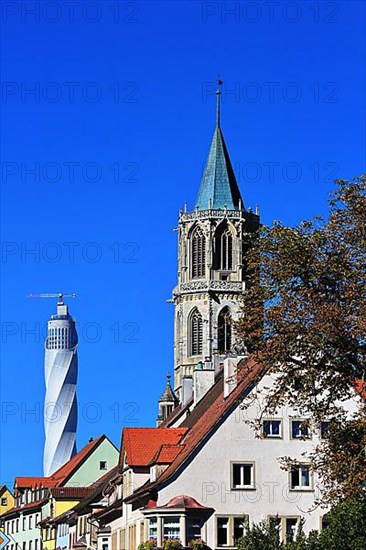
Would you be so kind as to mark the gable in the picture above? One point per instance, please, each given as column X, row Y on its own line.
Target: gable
column 89, row 470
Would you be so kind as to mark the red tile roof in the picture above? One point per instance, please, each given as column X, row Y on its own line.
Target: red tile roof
column 184, row 501
column 166, row 454
column 25, row 507
column 142, row 444
column 71, row 492
column 67, row 469
column 34, row 482
column 62, row 474
column 247, row 375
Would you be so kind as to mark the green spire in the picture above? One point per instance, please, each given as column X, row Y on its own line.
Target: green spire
column 219, row 188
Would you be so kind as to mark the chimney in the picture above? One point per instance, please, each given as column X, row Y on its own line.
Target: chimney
column 203, row 380
column 230, row 374
column 187, row 390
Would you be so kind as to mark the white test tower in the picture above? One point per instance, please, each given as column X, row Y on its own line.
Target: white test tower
column 60, row 409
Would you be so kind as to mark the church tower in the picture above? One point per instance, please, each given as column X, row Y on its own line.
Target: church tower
column 211, row 266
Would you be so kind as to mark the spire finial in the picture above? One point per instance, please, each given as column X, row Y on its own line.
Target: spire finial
column 218, row 100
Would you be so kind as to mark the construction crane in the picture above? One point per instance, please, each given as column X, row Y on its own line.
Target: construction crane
column 58, row 295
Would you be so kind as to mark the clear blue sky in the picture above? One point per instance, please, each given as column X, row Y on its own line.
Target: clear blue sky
column 118, row 129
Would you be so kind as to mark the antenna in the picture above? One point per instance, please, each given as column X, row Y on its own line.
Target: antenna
column 58, row 295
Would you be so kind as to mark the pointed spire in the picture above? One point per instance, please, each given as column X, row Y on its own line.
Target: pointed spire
column 218, row 103
column 219, row 188
column 168, row 394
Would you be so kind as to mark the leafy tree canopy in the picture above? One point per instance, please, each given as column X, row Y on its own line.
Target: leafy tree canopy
column 304, row 318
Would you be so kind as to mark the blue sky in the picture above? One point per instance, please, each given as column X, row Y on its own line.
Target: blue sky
column 116, row 131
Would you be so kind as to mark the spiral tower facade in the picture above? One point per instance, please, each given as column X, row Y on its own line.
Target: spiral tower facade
column 61, row 369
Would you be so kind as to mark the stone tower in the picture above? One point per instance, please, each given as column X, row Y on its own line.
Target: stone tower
column 211, row 266
column 167, row 402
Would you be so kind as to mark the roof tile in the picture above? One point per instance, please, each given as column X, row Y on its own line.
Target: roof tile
column 142, row 444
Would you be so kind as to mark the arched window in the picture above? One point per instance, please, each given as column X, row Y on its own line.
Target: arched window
column 224, row 329
column 195, row 333
column 198, row 255
column 223, row 249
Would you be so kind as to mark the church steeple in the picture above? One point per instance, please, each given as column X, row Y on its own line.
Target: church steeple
column 219, row 188
column 212, row 244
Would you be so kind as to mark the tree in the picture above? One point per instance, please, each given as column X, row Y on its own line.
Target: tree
column 304, row 319
column 344, row 528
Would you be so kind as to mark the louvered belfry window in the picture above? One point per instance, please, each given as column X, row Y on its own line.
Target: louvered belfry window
column 224, row 330
column 224, row 250
column 195, row 332
column 198, row 254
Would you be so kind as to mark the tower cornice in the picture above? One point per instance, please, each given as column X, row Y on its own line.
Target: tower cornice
column 218, row 214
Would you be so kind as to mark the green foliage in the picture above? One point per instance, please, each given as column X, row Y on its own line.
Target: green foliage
column 304, row 320
column 197, row 544
column 147, row 545
column 172, row 544
column 260, row 537
column 345, row 529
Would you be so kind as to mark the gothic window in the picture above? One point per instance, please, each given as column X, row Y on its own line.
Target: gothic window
column 198, row 253
column 195, row 333
column 224, row 330
column 223, row 249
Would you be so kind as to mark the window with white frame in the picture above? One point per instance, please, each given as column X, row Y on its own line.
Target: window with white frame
column 242, row 475
column 229, row 529
column 223, row 531
column 4, row 501
column 286, row 526
column 103, row 465
column 238, row 528
column 300, row 429
column 300, row 477
column 291, row 527
column 272, row 428
column 171, row 527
